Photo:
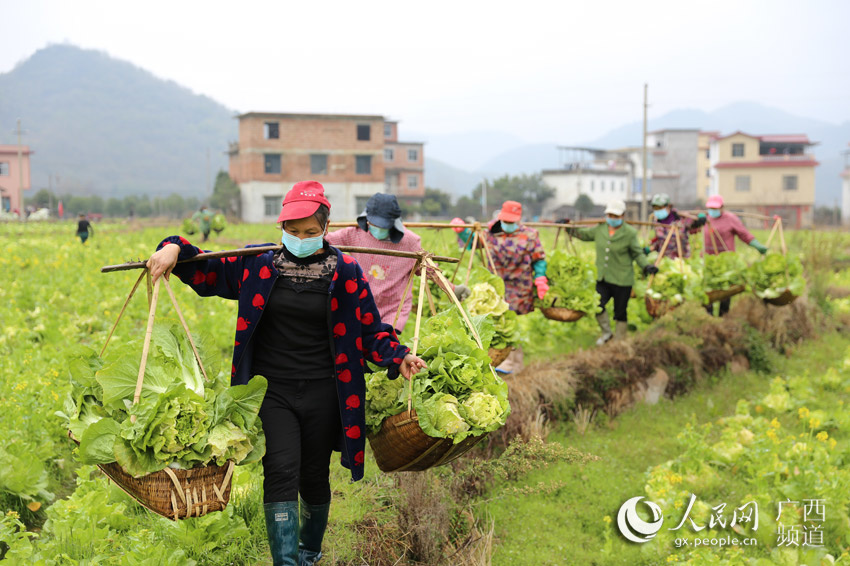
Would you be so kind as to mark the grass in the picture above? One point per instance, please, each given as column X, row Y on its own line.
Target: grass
column 569, row 527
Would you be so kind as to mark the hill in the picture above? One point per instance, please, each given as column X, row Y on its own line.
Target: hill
column 99, row 125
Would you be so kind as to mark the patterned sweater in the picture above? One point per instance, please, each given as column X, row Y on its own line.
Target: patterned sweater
column 355, row 328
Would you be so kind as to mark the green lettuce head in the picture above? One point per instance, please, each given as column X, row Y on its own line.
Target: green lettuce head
column 482, row 410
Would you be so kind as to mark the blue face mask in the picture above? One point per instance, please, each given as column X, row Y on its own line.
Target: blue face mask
column 661, row 214
column 379, row 233
column 714, row 212
column 299, row 247
column 614, row 222
column 509, row 227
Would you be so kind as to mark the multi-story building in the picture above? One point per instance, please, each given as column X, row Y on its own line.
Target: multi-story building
column 404, row 165
column 703, row 176
column 672, row 164
column 600, row 174
column 346, row 153
column 769, row 175
column 14, row 176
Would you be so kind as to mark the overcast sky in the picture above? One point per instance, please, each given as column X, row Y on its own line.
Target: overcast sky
column 557, row 70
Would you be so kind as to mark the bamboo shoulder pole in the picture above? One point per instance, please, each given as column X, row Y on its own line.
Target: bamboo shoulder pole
column 262, row 249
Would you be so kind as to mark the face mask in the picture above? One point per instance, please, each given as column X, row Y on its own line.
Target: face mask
column 379, row 233
column 614, row 222
column 509, row 227
column 714, row 212
column 299, row 247
column 661, row 214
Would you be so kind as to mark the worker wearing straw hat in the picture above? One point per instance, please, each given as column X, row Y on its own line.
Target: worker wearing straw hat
column 520, row 261
column 720, row 233
column 307, row 321
column 616, row 248
column 666, row 216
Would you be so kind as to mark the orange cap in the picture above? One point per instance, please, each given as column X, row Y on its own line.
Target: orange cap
column 511, row 211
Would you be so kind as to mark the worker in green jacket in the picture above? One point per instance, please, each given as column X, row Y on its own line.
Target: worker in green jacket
column 616, row 248
column 203, row 218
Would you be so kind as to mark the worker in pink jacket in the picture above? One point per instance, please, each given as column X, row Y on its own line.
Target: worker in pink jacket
column 720, row 232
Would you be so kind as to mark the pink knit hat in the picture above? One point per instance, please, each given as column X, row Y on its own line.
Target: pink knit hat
column 714, row 201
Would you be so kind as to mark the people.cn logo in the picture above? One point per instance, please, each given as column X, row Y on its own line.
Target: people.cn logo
column 633, row 527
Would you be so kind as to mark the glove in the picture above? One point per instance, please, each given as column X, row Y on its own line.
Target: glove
column 462, row 292
column 701, row 215
column 757, row 245
column 650, row 270
column 646, row 250
column 698, row 223
column 542, row 286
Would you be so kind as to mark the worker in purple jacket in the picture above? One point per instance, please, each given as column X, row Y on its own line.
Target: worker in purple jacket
column 306, row 321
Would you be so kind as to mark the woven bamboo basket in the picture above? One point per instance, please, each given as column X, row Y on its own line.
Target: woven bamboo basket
column 497, row 356
column 786, row 298
column 561, row 314
column 721, row 294
column 174, row 494
column 401, row 446
column 657, row 308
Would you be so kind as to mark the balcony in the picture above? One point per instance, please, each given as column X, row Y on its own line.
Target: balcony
column 775, row 158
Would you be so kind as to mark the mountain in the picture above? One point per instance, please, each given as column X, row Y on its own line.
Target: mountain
column 749, row 117
column 99, row 125
column 466, row 150
column 452, row 180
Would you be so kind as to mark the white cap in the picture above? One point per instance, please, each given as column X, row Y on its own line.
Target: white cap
column 616, row 207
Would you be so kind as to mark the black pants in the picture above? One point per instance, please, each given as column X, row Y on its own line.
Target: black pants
column 206, row 235
column 621, row 295
column 724, row 307
column 302, row 424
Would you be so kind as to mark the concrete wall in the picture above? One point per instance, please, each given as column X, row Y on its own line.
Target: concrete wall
column 10, row 180
column 600, row 186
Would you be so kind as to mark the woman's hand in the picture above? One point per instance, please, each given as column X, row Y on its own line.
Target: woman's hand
column 411, row 365
column 163, row 261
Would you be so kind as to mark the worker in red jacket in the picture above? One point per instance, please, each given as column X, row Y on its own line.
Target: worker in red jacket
column 307, row 322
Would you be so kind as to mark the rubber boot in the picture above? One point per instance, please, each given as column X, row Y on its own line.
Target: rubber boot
column 282, row 528
column 605, row 325
column 314, row 521
column 621, row 330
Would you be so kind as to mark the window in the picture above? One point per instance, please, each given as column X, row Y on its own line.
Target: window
column 591, row 185
column 742, row 183
column 364, row 132
column 388, row 130
column 318, row 164
column 413, row 155
column 4, row 168
column 737, row 150
column 622, row 186
column 708, row 173
column 391, row 182
column 789, row 182
column 389, row 154
column 412, row 181
column 360, row 203
column 272, row 163
column 271, row 130
column 271, row 205
column 363, row 164
column 708, row 154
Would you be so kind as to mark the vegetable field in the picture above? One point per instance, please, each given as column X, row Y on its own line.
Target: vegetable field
column 778, row 434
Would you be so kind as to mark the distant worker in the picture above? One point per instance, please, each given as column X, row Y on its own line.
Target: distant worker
column 616, row 248
column 84, row 228
column 380, row 226
column 667, row 216
column 204, row 219
column 521, row 262
column 464, row 234
column 720, row 235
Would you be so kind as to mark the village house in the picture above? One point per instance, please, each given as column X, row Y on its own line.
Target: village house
column 348, row 154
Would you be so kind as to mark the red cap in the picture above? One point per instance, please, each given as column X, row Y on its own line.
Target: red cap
column 511, row 211
column 455, row 221
column 303, row 200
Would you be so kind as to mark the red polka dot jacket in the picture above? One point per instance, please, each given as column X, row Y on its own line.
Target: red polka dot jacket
column 355, row 323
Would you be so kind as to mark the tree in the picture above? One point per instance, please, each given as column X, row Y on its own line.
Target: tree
column 436, row 203
column 584, row 204
column 466, row 206
column 526, row 189
column 226, row 194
